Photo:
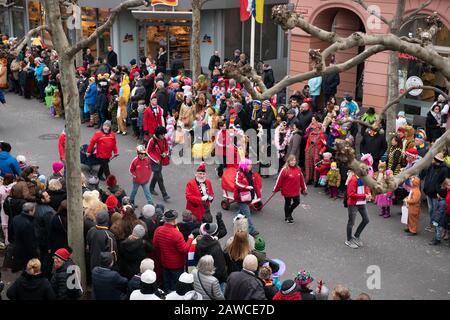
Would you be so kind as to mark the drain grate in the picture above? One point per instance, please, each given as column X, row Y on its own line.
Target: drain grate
column 49, row 136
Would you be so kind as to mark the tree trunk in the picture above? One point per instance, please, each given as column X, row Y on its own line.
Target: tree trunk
column 196, row 60
column 72, row 152
column 79, row 55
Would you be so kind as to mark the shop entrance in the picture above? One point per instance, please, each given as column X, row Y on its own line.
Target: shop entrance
column 175, row 36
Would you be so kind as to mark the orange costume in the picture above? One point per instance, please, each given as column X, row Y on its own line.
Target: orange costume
column 413, row 202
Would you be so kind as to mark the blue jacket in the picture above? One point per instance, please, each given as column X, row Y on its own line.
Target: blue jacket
column 91, row 94
column 8, row 164
column 39, row 71
column 108, row 284
column 314, row 86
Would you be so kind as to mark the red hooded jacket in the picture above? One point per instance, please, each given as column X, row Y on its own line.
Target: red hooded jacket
column 157, row 147
column 241, row 185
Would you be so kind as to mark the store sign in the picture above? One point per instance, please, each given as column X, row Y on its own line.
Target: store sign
column 414, row 82
column 406, row 56
column 171, row 3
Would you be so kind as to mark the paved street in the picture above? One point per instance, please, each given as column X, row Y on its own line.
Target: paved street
column 410, row 268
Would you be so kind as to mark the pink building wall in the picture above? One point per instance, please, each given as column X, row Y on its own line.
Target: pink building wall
column 349, row 16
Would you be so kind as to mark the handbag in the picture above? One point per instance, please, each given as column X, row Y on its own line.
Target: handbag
column 323, row 181
column 404, row 219
column 246, row 196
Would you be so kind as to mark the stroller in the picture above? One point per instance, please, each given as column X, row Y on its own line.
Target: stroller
column 90, row 161
column 228, row 187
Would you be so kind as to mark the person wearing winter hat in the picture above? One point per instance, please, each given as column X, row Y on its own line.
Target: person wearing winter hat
column 158, row 151
column 199, row 193
column 188, row 224
column 113, row 188
column 289, row 291
column 401, row 120
column 173, row 248
column 105, row 141
column 135, row 281
column 151, row 219
column 141, row 171
column 100, row 239
column 185, row 289
column 112, row 203
column 304, row 280
column 22, row 160
column 107, row 284
column 132, row 251
column 8, row 164
column 244, row 284
column 148, row 290
column 62, row 269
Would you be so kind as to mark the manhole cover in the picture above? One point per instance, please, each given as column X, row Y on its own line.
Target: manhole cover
column 50, row 136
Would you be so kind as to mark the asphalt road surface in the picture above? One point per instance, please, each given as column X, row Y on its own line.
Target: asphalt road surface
column 408, row 267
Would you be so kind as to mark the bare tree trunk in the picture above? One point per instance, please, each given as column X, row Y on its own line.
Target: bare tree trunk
column 79, row 55
column 72, row 116
column 196, row 17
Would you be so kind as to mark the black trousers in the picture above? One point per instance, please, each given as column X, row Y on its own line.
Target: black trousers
column 104, row 168
column 290, row 203
column 157, row 178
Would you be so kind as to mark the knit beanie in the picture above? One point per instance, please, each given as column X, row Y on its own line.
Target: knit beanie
column 260, row 244
column 148, row 211
column 139, row 231
column 57, row 166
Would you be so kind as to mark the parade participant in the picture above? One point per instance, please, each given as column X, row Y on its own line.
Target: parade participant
column 248, row 189
column 199, row 193
column 140, row 170
column 62, row 146
column 395, row 155
column 153, row 118
column 384, row 200
column 322, row 168
column 291, row 182
column 304, row 280
column 357, row 196
column 158, row 151
column 413, row 201
column 90, row 98
column 105, row 141
column 315, row 146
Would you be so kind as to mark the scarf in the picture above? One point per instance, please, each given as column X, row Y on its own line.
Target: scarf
column 360, row 190
column 437, row 116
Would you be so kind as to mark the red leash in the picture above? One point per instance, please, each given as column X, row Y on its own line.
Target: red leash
column 268, row 200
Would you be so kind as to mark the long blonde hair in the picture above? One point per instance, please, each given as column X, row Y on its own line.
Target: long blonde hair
column 239, row 248
column 289, row 159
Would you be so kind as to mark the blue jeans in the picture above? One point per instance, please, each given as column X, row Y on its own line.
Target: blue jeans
column 245, row 210
column 147, row 193
column 438, row 218
column 432, row 202
column 171, row 278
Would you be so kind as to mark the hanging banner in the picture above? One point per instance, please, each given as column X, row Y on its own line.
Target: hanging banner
column 171, row 3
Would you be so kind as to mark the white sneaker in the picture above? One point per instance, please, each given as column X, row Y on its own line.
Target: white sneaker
column 351, row 245
column 357, row 241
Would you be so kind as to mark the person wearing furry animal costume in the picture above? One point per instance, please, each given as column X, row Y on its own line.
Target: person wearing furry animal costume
column 383, row 200
column 315, row 146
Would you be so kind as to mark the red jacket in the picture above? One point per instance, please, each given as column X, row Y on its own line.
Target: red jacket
column 194, row 201
column 171, row 245
column 290, row 296
column 134, row 69
column 241, row 185
column 223, row 140
column 153, row 120
column 157, row 147
column 352, row 192
column 106, row 144
column 62, row 146
column 447, row 200
column 323, row 168
column 290, row 181
column 141, row 170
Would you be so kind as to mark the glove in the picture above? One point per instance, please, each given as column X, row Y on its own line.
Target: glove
column 210, row 198
column 249, row 188
column 204, row 198
column 219, row 215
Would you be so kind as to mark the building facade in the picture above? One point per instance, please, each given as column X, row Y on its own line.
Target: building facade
column 140, row 31
column 368, row 82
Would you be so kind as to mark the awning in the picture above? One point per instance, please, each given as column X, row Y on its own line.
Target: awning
column 161, row 15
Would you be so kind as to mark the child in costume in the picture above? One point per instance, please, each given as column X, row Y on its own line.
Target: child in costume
column 384, row 200
column 333, row 180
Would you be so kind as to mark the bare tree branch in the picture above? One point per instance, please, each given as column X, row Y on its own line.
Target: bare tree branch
column 394, row 102
column 16, row 50
column 413, row 14
column 379, row 16
column 107, row 25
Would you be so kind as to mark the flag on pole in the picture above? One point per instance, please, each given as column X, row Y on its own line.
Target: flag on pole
column 246, row 6
column 172, row 3
column 258, row 10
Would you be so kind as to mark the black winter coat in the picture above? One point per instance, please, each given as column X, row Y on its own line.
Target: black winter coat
column 208, row 245
column 244, row 285
column 186, row 228
column 269, row 79
column 108, row 284
column 58, row 232
column 131, row 253
column 163, row 98
column 435, row 176
column 42, row 219
column 59, row 283
column 56, row 197
column 25, row 242
column 305, row 119
column 99, row 240
column 214, row 61
column 433, row 128
column 111, row 59
column 31, row 287
column 330, row 83
column 375, row 145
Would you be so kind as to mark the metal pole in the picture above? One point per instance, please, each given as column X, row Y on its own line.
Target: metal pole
column 252, row 44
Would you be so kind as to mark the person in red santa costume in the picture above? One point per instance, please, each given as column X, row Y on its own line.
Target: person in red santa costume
column 199, row 193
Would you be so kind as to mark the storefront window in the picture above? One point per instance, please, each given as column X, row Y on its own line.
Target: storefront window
column 18, row 18
column 105, row 39
column 233, row 32
column 4, row 22
column 91, row 19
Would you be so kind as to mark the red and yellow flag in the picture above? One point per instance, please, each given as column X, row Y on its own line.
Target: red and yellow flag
column 172, row 3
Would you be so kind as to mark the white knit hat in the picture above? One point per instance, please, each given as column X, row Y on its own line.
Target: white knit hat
column 147, row 264
column 186, row 278
column 148, row 277
column 148, row 211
